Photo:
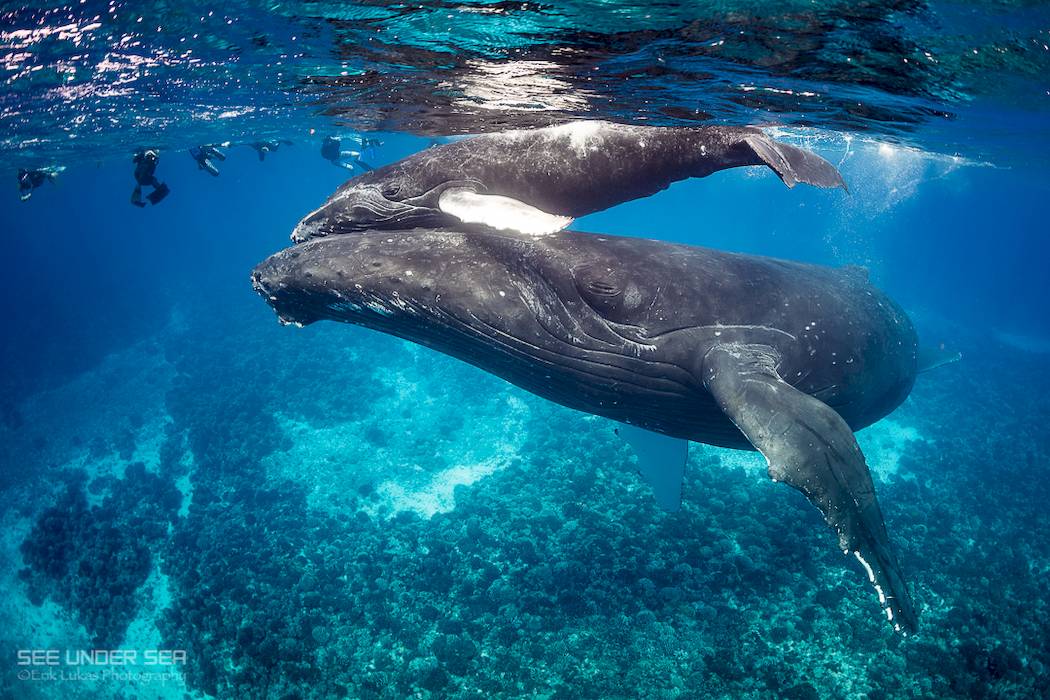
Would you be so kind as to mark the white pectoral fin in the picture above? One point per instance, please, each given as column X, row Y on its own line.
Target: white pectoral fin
column 661, row 462
column 499, row 212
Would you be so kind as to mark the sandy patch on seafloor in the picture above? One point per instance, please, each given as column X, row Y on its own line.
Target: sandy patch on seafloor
column 394, row 460
column 884, row 444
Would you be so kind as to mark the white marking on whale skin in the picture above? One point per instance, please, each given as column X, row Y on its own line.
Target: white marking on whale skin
column 878, row 588
column 499, row 212
column 345, row 306
column 580, row 134
column 399, row 303
column 305, row 231
column 375, row 305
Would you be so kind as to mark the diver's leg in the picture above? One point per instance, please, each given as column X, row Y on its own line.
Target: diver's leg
column 136, row 196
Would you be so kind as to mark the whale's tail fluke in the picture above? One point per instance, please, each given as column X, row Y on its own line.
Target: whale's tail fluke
column 794, row 165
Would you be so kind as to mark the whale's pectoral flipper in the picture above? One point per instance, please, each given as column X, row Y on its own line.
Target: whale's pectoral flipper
column 794, row 165
column 661, row 462
column 499, row 212
column 808, row 445
column 934, row 356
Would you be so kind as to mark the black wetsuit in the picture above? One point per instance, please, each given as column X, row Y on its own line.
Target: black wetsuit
column 29, row 180
column 331, row 150
column 204, row 155
column 145, row 169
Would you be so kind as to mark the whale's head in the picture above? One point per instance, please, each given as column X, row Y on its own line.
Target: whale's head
column 457, row 291
column 360, row 208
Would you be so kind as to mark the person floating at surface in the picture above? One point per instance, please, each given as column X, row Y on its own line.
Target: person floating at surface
column 205, row 154
column 332, row 151
column 145, row 161
column 264, row 147
column 29, row 180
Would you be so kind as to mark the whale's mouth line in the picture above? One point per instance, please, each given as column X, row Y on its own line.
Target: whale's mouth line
column 368, row 207
column 371, row 209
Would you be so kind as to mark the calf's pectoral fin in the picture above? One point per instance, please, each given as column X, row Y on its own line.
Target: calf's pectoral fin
column 661, row 462
column 499, row 212
column 794, row 165
column 810, row 447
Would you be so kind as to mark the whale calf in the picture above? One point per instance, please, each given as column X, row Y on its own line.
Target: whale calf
column 676, row 342
column 538, row 180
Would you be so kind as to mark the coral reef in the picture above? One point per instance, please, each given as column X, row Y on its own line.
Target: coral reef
column 93, row 559
column 555, row 575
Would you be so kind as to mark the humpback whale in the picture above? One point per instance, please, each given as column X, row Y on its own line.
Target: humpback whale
column 538, row 180
column 677, row 343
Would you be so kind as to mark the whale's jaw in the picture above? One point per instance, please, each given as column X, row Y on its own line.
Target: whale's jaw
column 360, row 209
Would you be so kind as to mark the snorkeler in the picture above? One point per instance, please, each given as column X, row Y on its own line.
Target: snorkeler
column 29, row 180
column 331, row 150
column 205, row 154
column 264, row 147
column 145, row 161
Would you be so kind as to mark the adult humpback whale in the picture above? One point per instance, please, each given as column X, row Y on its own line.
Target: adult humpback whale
column 681, row 343
column 539, row 180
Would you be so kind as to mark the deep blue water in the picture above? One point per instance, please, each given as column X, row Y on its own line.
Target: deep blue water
column 331, row 512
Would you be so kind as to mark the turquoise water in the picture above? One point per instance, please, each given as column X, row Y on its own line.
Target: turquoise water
column 331, row 512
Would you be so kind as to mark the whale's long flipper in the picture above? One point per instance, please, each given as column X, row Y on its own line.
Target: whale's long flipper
column 932, row 357
column 794, row 165
column 499, row 212
column 809, row 446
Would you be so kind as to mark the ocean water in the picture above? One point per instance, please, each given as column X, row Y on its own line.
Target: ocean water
column 246, row 510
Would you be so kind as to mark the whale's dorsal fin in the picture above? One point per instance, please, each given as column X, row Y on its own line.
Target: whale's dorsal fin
column 808, row 445
column 795, row 165
column 661, row 462
column 499, row 212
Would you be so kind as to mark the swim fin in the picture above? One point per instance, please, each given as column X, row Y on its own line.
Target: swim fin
column 158, row 194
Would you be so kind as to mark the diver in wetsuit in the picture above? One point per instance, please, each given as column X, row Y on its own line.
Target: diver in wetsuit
column 264, row 147
column 332, row 151
column 205, row 154
column 145, row 161
column 29, row 180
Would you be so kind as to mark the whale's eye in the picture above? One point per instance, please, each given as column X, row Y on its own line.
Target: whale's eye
column 602, row 288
